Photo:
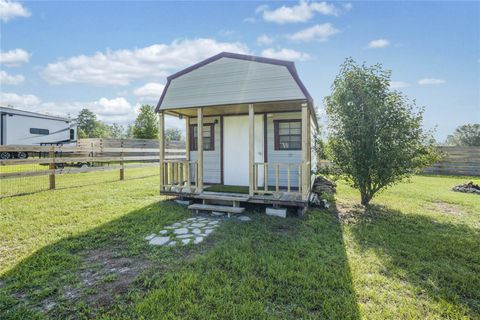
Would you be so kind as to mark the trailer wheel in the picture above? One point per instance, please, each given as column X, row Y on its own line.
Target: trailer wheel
column 22, row 155
column 5, row 155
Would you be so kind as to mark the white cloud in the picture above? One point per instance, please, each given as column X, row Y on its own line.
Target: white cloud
column 11, row 9
column 399, row 84
column 149, row 92
column 319, row 32
column 120, row 67
column 264, row 40
column 7, row 79
column 18, row 101
column 430, row 81
column 301, row 12
column 15, row 57
column 285, row 54
column 379, row 43
column 115, row 110
column 348, row 6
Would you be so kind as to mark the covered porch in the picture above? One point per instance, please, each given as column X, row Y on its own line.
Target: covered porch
column 245, row 169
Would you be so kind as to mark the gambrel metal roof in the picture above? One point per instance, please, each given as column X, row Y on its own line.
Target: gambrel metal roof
column 229, row 78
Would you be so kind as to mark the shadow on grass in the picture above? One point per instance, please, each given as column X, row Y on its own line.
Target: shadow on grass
column 265, row 268
column 441, row 259
column 79, row 273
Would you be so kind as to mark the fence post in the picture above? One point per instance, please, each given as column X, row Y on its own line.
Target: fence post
column 122, row 168
column 52, row 168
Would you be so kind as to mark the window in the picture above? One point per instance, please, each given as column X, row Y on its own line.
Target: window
column 208, row 137
column 72, row 134
column 288, row 134
column 39, row 131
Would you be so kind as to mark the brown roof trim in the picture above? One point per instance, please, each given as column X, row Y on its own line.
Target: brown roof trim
column 288, row 64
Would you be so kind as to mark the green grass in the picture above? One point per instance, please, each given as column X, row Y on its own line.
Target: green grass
column 414, row 255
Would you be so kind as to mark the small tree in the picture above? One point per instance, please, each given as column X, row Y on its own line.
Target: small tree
column 86, row 123
column 146, row 124
column 376, row 137
column 467, row 135
column 117, row 131
column 173, row 134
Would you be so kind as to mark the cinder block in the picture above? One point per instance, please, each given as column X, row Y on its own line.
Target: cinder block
column 278, row 212
column 184, row 202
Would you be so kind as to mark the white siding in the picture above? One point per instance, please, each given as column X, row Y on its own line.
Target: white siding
column 211, row 159
column 231, row 81
column 282, row 156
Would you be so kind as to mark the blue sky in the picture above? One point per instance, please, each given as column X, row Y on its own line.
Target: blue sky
column 58, row 57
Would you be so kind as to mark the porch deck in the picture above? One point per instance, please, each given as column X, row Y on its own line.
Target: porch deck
column 275, row 198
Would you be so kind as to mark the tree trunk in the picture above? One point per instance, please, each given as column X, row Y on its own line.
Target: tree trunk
column 365, row 199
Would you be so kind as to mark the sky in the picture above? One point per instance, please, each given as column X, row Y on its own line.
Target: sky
column 111, row 57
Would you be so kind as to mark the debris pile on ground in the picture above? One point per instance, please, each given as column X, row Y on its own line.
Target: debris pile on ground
column 322, row 190
column 468, row 188
column 323, row 185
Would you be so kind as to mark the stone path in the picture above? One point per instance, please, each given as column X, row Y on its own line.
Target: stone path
column 190, row 231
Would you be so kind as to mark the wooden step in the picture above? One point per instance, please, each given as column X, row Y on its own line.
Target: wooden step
column 207, row 196
column 212, row 207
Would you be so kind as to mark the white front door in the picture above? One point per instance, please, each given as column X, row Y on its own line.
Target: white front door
column 235, row 149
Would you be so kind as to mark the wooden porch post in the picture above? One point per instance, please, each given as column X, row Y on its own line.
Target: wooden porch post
column 251, row 147
column 187, row 138
column 187, row 151
column 161, row 140
column 200, row 149
column 305, row 152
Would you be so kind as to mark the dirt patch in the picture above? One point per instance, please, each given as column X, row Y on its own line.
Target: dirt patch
column 349, row 213
column 447, row 208
column 103, row 275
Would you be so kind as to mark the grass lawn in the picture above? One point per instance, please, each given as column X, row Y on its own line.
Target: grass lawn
column 79, row 252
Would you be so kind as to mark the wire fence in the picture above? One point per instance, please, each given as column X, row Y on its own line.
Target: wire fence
column 90, row 162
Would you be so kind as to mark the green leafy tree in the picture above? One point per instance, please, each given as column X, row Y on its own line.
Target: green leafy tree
column 86, row 123
column 146, row 124
column 117, row 131
column 376, row 135
column 173, row 134
column 467, row 135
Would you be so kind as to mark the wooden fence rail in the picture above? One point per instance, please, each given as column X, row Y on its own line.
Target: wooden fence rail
column 107, row 154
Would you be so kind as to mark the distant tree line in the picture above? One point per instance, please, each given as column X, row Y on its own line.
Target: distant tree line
column 144, row 127
column 467, row 135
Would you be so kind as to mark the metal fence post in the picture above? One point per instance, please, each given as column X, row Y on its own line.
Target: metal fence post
column 122, row 169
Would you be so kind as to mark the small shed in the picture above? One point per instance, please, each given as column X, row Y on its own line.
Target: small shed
column 256, row 119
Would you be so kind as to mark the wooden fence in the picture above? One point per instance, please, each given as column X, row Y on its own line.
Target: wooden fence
column 463, row 161
column 89, row 155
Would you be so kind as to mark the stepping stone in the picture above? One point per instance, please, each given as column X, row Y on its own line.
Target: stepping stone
column 208, row 231
column 159, row 241
column 197, row 231
column 151, row 236
column 180, row 231
column 163, row 232
column 198, row 240
column 213, row 222
column 186, row 241
column 198, row 225
column 191, row 219
column 176, row 224
column 183, row 202
column 244, row 218
column 183, row 236
column 169, row 227
column 172, row 243
column 217, row 214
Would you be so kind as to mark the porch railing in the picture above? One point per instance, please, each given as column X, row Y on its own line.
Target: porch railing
column 177, row 175
column 278, row 170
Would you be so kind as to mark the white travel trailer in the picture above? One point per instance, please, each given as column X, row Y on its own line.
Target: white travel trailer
column 18, row 127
